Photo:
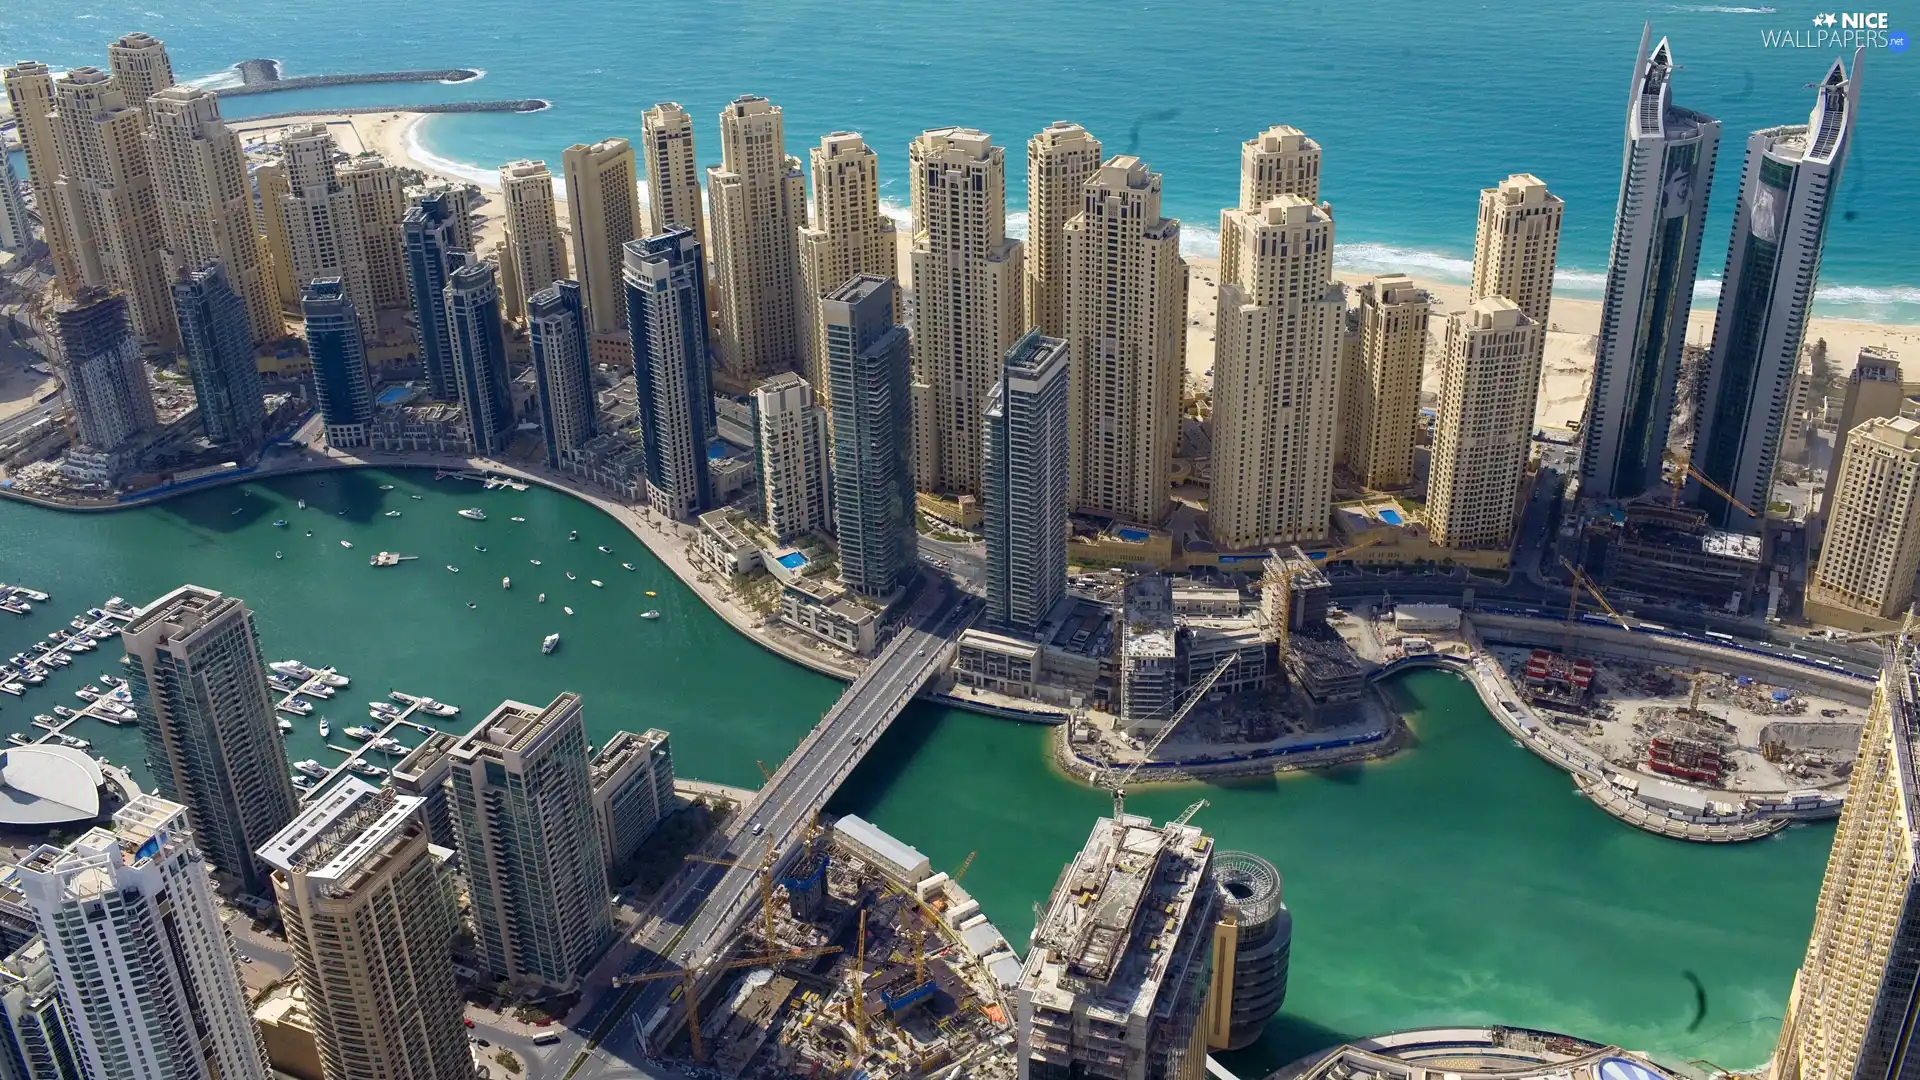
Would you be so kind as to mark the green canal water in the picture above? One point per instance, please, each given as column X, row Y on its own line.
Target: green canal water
column 1461, row 881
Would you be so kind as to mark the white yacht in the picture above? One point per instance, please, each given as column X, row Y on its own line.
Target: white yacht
column 543, row 598
column 346, row 543
column 517, row 519
column 291, row 667
column 506, row 583
column 386, row 487
column 393, row 513
column 311, row 768
column 570, row 576
column 286, row 725
column 326, row 729
column 361, row 733
column 605, row 550
column 551, row 642
column 334, row 678
column 473, row 513
column 295, row 706
column 452, row 569
column 597, row 583
column 568, row 610
column 649, row 614
column 628, row 566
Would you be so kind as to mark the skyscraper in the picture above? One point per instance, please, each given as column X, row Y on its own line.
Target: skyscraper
column 1516, row 245
column 1850, row 1011
column 379, row 203
column 30, row 95
column 632, row 790
column 145, row 966
column 1872, row 545
column 603, row 206
column 216, row 338
column 1665, row 174
column 480, row 355
column 430, row 230
column 1279, row 161
column 1388, row 362
column 1126, row 310
column 667, row 322
column 1773, row 266
column 562, row 370
column 849, row 235
column 270, row 181
column 759, row 200
column 199, row 684
column 673, row 173
column 1024, row 486
column 16, row 233
column 1059, row 160
column 140, row 67
column 967, row 298
column 370, row 915
column 792, row 448
column 1489, row 376
column 206, row 203
column 34, row 1039
column 523, row 814
column 534, row 245
column 339, row 357
column 322, row 222
column 100, row 366
column 1873, row 390
column 1276, row 373
column 109, row 198
column 867, row 369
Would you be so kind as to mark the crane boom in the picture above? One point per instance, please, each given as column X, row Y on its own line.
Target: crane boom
column 1119, row 786
column 1582, row 581
column 689, row 978
column 1683, row 468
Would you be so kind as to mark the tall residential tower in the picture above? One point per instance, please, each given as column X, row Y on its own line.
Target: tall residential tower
column 792, row 448
column 562, row 368
column 848, row 236
column 673, row 395
column 1059, row 160
column 1389, row 363
column 534, row 245
column 603, row 207
column 1024, row 486
column 673, row 173
column 216, row 340
column 867, row 370
column 759, row 203
column 338, row 353
column 474, row 325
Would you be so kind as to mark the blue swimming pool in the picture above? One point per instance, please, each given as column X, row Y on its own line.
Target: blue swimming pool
column 1391, row 517
column 792, row 560
column 1132, row 536
column 394, row 395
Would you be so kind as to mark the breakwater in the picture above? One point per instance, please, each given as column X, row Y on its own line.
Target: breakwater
column 263, row 77
column 510, row 105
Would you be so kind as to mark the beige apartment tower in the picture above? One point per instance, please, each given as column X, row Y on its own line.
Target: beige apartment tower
column 673, row 174
column 1280, row 161
column 1873, row 389
column 1488, row 380
column 1276, row 375
column 321, row 222
column 140, row 67
column 1389, row 359
column 1850, row 1011
column 206, row 203
column 270, row 179
column 379, row 202
column 759, row 199
column 534, row 243
column 1126, row 312
column 1872, row 546
column 848, row 236
column 966, row 284
column 603, row 206
column 108, row 195
column 1059, row 160
column 1517, row 243
column 370, row 916
column 30, row 96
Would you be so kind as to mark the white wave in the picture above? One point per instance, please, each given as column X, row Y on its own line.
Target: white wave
column 218, row 80
column 152, row 15
column 432, row 162
column 1385, row 258
column 1861, row 294
column 478, row 74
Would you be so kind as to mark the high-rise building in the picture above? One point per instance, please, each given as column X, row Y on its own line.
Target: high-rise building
column 759, row 202
column 792, row 448
column 140, row 67
column 1489, row 378
column 271, row 186
column 534, row 243
column 16, row 232
column 458, row 209
column 338, row 354
column 1850, row 1012
column 108, row 195
column 868, row 372
column 146, row 970
column 1773, row 265
column 849, row 235
column 424, row 774
column 529, row 847
column 1665, row 175
column 673, row 172
column 632, row 791
column 1059, row 160
column 30, row 96
column 1126, row 310
column 1024, row 485
column 206, row 203
column 1127, row 933
column 603, row 206
column 1252, row 951
column 562, row 369
column 1279, row 161
column 34, row 1039
column 379, row 203
column 322, row 222
column 430, row 231
column 370, row 916
column 967, row 298
column 1871, row 549
column 199, row 684
column 217, row 342
column 1389, row 355
column 1516, row 245
column 667, row 322
column 1276, row 371
column 478, row 336
column 100, row 367
column 1873, row 390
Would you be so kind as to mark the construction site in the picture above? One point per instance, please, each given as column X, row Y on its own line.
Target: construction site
column 863, row 962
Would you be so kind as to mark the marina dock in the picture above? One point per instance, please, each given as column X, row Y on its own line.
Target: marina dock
column 489, row 480
column 19, row 599
column 410, row 716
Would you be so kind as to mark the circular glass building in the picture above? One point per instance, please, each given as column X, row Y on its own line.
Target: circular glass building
column 1263, row 942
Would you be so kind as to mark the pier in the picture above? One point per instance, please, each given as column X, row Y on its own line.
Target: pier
column 407, row 717
column 487, row 479
column 111, row 705
column 390, row 558
column 505, row 105
column 19, row 599
column 263, row 77
column 320, row 685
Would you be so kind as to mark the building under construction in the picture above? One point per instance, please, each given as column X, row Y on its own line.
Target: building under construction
column 1671, row 552
column 1688, row 745
column 1557, row 681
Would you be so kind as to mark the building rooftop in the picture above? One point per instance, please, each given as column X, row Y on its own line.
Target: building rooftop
column 343, row 835
column 45, row 785
column 143, row 830
column 183, row 612
column 622, row 748
column 906, row 858
column 1000, row 643
column 429, row 757
column 513, row 727
column 1731, row 545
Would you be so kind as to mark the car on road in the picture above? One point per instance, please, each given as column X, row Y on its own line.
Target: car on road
column 758, row 828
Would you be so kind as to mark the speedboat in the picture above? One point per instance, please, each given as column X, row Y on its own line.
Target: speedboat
column 568, row 610
column 473, row 513
column 87, row 693
column 388, row 746
column 551, row 642
column 605, row 549
column 597, row 583
column 452, row 569
column 437, row 708
column 482, row 548
column 543, row 598
column 281, row 524
column 286, row 725
column 393, row 513
column 650, row 592
column 365, row 768
column 295, row 706
column 311, row 768
column 112, row 680
column 627, row 566
column 384, row 708
column 334, row 678
column 361, row 733
column 506, row 583
column 386, row 487
column 573, row 534
column 517, row 519
column 326, row 729
column 18, row 739
column 303, row 781
column 62, row 711
column 471, row 605
column 570, row 576
column 649, row 614
column 535, row 562
column 65, row 739
column 277, row 555
column 346, row 543
column 309, row 532
column 302, row 504
column 416, row 496
column 322, row 691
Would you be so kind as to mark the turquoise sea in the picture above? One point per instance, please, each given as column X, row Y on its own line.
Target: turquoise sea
column 1417, row 106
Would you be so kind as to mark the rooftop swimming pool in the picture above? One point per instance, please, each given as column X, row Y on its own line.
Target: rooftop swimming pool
column 792, row 560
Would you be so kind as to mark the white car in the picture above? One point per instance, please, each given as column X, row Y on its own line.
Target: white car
column 758, row 828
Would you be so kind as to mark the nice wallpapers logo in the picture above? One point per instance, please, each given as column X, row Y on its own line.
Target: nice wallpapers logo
column 1839, row 30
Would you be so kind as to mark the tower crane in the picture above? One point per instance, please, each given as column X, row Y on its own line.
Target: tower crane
column 1683, row 468
column 1287, row 572
column 765, row 870
column 1582, row 581
column 689, row 979
column 1118, row 785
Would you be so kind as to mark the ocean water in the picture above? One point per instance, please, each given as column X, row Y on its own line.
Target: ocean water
column 1417, row 107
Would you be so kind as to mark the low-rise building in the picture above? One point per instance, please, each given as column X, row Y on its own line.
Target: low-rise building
column 1190, row 598
column 996, row 662
column 1325, row 666
column 898, row 861
column 832, row 613
column 724, row 544
column 438, row 428
column 632, row 791
column 286, row 1027
column 1672, row 552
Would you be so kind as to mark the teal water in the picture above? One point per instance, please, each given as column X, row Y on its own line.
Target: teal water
column 1417, row 107
column 1460, row 881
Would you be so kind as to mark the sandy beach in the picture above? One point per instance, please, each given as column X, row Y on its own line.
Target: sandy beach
column 1572, row 326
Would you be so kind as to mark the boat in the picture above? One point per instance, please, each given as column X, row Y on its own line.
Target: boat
column 320, row 691
column 303, row 781
column 334, row 678
column 473, row 513
column 361, row 733
column 437, row 708
column 303, row 504
column 65, row 739
column 309, row 532
column 506, row 583
column 295, row 706
column 283, row 683
column 386, row 487
column 281, row 524
column 568, row 610
column 650, row 592
column 605, row 549
column 111, row 680
column 471, row 605
column 18, row 739
column 649, row 614
column 393, row 513
column 416, row 496
column 393, row 710
column 326, row 729
column 517, row 519
column 277, row 555
column 346, row 543
column 543, row 598
column 62, row 711
column 597, row 583
column 570, row 576
column 87, row 693
column 292, row 667
column 482, row 548
column 535, row 562
column 311, row 768
column 388, row 746
column 286, row 725
column 452, row 569
column 551, row 642
column 627, row 566
column 44, row 720
column 365, row 768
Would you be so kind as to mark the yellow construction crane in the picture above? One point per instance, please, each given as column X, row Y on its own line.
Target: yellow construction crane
column 689, row 978
column 1290, row 570
column 964, row 865
column 1582, row 581
column 1905, row 627
column 857, row 1005
column 1187, row 815
column 765, row 870
column 1683, row 468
